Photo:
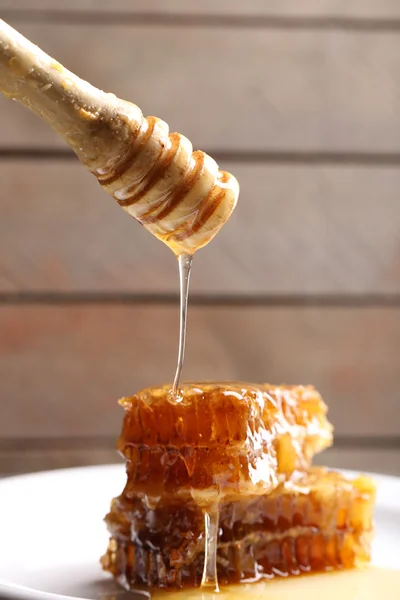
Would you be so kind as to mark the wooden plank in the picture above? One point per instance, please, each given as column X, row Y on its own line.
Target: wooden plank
column 296, row 230
column 26, row 460
column 374, row 460
column 364, row 8
column 259, row 90
column 62, row 368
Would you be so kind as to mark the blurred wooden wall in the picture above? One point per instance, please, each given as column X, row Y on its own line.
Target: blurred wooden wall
column 301, row 101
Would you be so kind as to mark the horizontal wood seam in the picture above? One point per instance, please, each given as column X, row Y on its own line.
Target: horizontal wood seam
column 273, row 300
column 160, row 19
column 276, row 157
column 109, row 442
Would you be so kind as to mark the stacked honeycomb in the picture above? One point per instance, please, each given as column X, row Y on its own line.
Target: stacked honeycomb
column 246, row 449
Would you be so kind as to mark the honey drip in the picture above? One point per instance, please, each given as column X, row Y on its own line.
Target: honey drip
column 211, row 518
column 185, row 265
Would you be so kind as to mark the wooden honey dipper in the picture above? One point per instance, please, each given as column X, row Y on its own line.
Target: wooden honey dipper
column 179, row 195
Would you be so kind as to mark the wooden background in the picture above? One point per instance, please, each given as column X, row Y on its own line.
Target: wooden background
column 301, row 101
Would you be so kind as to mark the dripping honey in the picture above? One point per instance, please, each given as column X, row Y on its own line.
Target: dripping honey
column 185, row 265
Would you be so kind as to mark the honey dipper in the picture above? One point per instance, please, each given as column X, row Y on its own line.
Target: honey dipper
column 179, row 195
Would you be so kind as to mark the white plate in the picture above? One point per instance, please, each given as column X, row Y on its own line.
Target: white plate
column 52, row 532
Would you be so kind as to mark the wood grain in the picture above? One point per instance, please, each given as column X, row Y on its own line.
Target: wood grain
column 310, row 79
column 246, row 90
column 296, row 230
column 26, row 460
column 62, row 368
column 372, row 460
column 364, row 8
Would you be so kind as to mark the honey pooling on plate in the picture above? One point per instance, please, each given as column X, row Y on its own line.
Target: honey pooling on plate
column 246, row 449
